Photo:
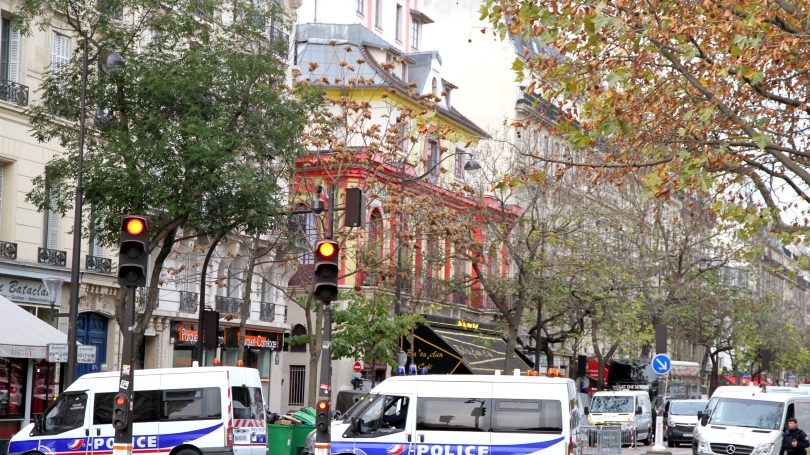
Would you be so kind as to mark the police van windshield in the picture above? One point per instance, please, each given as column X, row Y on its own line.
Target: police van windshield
column 612, row 403
column 747, row 413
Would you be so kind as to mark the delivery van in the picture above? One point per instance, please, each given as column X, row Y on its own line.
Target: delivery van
column 630, row 409
column 749, row 420
column 176, row 411
column 462, row 415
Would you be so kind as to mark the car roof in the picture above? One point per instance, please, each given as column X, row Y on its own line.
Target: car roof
column 481, row 378
column 157, row 371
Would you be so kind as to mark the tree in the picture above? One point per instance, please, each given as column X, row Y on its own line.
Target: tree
column 704, row 96
column 195, row 136
column 366, row 329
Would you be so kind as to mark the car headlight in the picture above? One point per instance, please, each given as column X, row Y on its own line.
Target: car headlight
column 703, row 445
column 763, row 449
column 670, row 422
column 626, row 425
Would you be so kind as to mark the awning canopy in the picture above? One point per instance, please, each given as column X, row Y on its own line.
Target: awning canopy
column 453, row 346
column 23, row 334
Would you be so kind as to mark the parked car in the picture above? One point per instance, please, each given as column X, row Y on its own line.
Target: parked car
column 680, row 418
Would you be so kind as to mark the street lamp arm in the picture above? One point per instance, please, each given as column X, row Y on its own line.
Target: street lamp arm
column 416, row 179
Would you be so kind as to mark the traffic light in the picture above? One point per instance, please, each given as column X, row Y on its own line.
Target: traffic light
column 325, row 281
column 120, row 411
column 133, row 257
column 322, row 419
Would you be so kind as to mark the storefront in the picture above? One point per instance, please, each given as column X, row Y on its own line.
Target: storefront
column 455, row 346
column 26, row 378
column 262, row 349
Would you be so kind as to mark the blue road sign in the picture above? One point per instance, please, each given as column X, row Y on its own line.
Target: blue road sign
column 661, row 364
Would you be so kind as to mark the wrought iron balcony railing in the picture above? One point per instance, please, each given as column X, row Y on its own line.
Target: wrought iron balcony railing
column 13, row 92
column 267, row 312
column 141, row 296
column 189, row 302
column 52, row 257
column 228, row 305
column 97, row 264
column 8, row 250
column 281, row 40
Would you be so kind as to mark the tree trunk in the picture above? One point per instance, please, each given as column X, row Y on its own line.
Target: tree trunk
column 246, row 300
column 703, row 364
column 373, row 373
column 315, row 332
column 151, row 298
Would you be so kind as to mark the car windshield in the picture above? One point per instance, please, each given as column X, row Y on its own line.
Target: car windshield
column 607, row 403
column 354, row 410
column 682, row 408
column 747, row 413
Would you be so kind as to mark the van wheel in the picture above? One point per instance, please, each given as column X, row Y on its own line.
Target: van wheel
column 187, row 452
column 649, row 439
column 670, row 444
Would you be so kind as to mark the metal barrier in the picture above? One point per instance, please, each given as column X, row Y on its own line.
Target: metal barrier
column 604, row 440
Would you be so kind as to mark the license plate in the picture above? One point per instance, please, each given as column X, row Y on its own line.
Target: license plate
column 687, row 435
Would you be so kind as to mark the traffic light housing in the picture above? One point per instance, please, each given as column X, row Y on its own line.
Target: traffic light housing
column 322, row 419
column 120, row 411
column 325, row 278
column 133, row 256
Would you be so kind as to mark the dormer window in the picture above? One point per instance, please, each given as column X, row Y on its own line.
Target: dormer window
column 435, row 86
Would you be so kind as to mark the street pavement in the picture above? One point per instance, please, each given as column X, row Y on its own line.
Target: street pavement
column 683, row 450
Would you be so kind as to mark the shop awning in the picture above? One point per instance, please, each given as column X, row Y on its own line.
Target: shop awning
column 23, row 334
column 453, row 346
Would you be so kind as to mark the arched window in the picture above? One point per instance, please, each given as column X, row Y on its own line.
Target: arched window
column 298, row 330
column 435, row 86
column 222, row 274
column 235, row 278
column 267, row 287
column 375, row 231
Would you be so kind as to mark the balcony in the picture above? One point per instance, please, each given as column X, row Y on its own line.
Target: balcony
column 51, row 257
column 541, row 107
column 268, row 312
column 189, row 302
column 281, row 41
column 8, row 250
column 13, row 92
column 228, row 305
column 140, row 298
column 97, row 264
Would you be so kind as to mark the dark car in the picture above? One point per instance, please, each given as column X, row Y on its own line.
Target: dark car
column 680, row 418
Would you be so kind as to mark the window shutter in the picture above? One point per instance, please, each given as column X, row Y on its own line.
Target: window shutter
column 14, row 54
column 98, row 250
column 60, row 51
column 53, row 228
column 2, row 169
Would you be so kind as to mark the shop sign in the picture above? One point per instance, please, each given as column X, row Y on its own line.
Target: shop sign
column 184, row 334
column 24, row 291
column 254, row 339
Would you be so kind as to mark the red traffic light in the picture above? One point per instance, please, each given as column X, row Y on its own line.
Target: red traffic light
column 134, row 226
column 327, row 249
column 119, row 400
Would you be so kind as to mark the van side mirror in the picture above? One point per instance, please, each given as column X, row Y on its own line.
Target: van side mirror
column 38, row 422
column 638, row 410
column 666, row 414
column 355, row 425
column 704, row 419
column 586, row 411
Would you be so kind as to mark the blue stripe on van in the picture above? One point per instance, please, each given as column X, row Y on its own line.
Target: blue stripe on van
column 367, row 447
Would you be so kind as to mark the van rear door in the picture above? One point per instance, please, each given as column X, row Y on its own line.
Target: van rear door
column 529, row 418
column 453, row 418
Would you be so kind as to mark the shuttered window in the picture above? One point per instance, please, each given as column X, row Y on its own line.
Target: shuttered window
column 60, row 52
column 52, row 219
column 97, row 231
column 2, row 172
column 9, row 50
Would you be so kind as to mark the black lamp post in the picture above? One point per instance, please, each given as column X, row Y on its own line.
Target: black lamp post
column 470, row 166
column 111, row 64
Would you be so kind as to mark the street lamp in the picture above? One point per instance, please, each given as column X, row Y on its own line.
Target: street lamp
column 52, row 285
column 112, row 64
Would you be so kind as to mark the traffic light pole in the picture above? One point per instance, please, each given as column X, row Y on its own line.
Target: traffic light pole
column 122, row 445
column 323, row 437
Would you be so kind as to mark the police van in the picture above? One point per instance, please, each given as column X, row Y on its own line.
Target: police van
column 176, row 411
column 462, row 415
column 749, row 420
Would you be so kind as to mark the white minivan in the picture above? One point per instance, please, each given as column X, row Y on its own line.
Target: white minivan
column 630, row 409
column 748, row 420
column 176, row 411
column 462, row 415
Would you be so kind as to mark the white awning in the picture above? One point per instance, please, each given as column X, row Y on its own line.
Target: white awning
column 24, row 335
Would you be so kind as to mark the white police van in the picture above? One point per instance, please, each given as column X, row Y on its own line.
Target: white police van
column 176, row 411
column 748, row 420
column 462, row 415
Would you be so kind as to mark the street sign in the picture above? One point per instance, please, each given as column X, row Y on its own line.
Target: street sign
column 357, row 366
column 661, row 364
column 57, row 353
column 86, row 354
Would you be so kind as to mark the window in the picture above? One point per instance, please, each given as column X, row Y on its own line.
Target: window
column 241, row 402
column 50, row 231
column 543, row 416
column 414, row 35
column 297, row 385
column 65, row 414
column 222, row 277
column 12, row 386
column 434, row 87
column 452, row 414
column 378, row 14
column 9, row 50
column 747, row 413
column 398, row 26
column 267, row 287
column 359, row 7
column 145, row 407
column 298, row 330
column 432, row 156
column 96, row 232
column 375, row 232
column 458, row 168
column 256, row 403
column 191, row 404
column 235, row 278
column 60, row 51
column 114, row 8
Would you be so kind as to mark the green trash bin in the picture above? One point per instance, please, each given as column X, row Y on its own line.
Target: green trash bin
column 279, row 438
column 299, row 437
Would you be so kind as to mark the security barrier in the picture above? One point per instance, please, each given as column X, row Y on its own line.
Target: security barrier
column 603, row 440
